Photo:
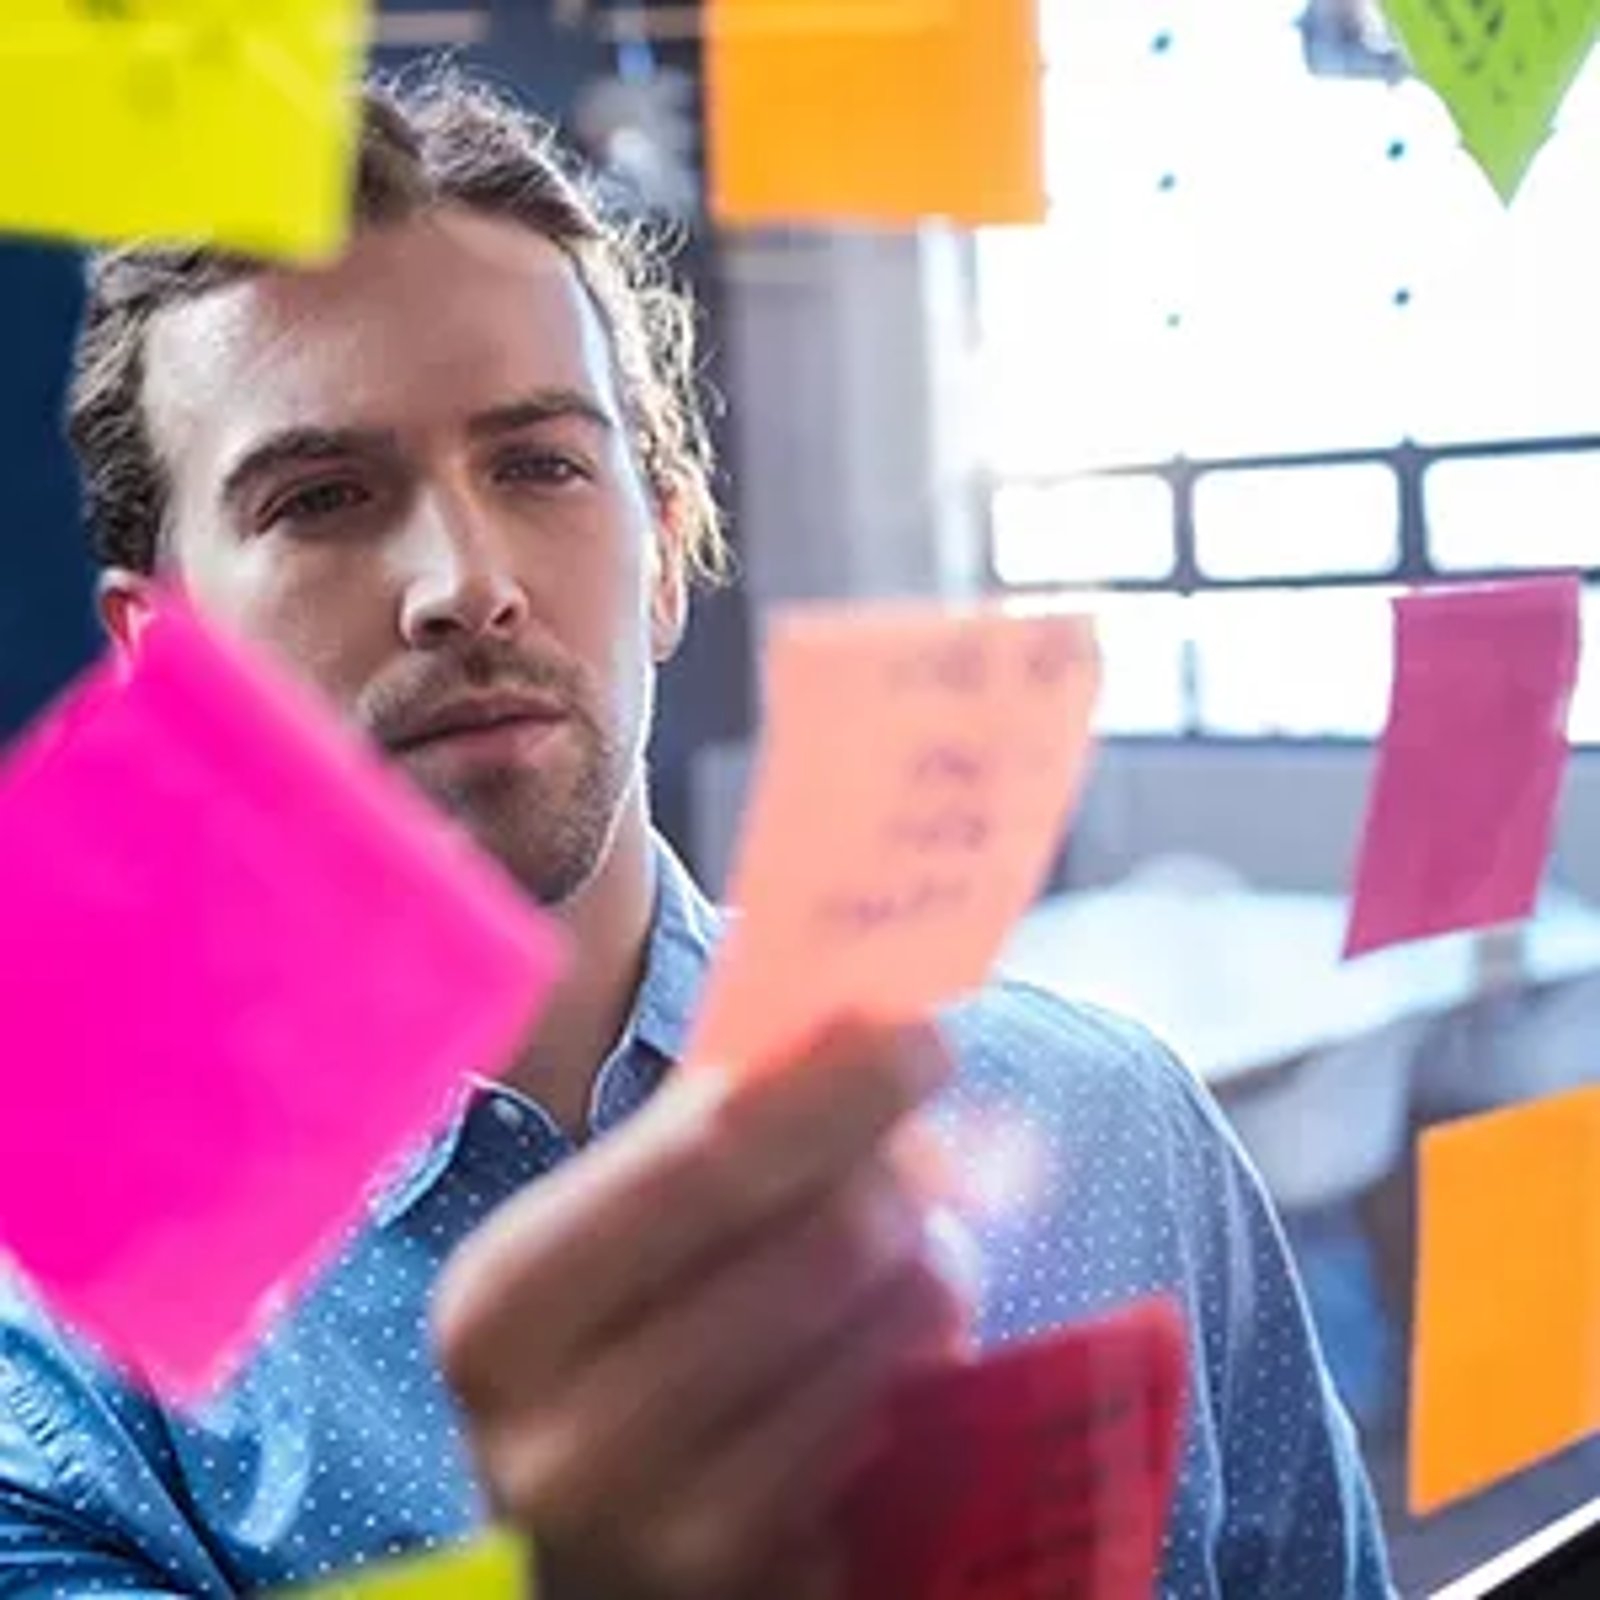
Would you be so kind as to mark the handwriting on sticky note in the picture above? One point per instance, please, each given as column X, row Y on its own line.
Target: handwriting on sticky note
column 494, row 1567
column 876, row 110
column 256, row 953
column 1044, row 1469
column 181, row 120
column 1469, row 770
column 1502, row 68
column 1506, row 1358
column 917, row 768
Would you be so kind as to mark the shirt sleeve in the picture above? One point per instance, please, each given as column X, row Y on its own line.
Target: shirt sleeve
column 83, row 1510
column 1298, row 1516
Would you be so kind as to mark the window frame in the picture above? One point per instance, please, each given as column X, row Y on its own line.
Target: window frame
column 1408, row 460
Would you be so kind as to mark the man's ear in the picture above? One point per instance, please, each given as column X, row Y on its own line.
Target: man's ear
column 127, row 604
column 669, row 592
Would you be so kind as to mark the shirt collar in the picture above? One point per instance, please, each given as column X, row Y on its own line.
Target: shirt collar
column 684, row 930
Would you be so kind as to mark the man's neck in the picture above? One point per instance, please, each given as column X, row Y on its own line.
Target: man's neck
column 607, row 924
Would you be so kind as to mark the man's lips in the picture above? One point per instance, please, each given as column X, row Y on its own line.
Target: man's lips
column 474, row 721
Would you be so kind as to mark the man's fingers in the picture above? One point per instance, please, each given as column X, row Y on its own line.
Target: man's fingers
column 659, row 1399
column 707, row 1164
column 776, row 1487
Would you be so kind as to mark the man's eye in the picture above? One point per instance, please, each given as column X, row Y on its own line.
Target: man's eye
column 317, row 500
column 544, row 467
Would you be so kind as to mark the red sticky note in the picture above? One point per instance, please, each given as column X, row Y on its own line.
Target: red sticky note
column 1469, row 772
column 242, row 967
column 918, row 765
column 1045, row 1469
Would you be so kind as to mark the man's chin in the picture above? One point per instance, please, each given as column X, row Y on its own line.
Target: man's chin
column 551, row 849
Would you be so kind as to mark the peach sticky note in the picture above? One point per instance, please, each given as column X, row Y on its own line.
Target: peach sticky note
column 883, row 111
column 242, row 969
column 1470, row 768
column 1506, row 1361
column 1045, row 1469
column 918, row 765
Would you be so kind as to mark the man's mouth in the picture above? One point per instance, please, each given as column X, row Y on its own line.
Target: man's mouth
column 500, row 724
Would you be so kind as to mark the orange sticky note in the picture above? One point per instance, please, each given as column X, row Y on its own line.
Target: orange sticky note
column 875, row 110
column 1506, row 1361
column 918, row 766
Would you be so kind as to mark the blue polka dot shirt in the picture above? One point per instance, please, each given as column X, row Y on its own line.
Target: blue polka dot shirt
column 1104, row 1173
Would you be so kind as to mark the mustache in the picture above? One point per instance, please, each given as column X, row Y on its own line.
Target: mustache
column 392, row 707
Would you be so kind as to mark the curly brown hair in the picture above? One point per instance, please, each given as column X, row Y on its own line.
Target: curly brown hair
column 431, row 138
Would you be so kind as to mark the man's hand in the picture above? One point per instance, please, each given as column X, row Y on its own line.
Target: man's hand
column 672, row 1352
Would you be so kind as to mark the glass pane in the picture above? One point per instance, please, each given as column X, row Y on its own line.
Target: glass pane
column 1083, row 530
column 1298, row 663
column 1349, row 280
column 1297, row 521
column 1143, row 642
column 1515, row 511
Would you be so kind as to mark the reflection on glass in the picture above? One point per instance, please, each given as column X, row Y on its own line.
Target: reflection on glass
column 1297, row 521
column 1515, row 511
column 1083, row 530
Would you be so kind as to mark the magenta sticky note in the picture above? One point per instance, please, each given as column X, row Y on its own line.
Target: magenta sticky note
column 1469, row 771
column 242, row 969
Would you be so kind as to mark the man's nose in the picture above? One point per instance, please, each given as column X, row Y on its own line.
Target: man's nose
column 464, row 586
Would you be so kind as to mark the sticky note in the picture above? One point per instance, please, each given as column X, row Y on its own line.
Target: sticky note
column 495, row 1567
column 1470, row 766
column 879, row 111
column 917, row 768
column 1044, row 1469
column 1502, row 68
column 208, row 120
column 243, row 968
column 1506, row 1357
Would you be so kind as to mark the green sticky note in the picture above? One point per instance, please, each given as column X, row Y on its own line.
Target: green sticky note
column 1502, row 67
column 495, row 1567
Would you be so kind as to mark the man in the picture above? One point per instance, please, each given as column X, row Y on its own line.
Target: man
column 457, row 481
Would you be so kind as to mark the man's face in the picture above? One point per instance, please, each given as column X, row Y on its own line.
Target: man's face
column 410, row 475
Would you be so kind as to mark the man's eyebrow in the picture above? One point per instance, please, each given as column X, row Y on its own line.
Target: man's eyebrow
column 544, row 405
column 296, row 446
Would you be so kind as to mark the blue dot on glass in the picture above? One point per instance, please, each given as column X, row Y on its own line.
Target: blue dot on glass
column 1169, row 182
column 1402, row 297
column 1162, row 43
column 1396, row 150
column 1174, row 319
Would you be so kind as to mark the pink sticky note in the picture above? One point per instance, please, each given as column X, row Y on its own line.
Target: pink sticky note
column 1469, row 772
column 242, row 968
column 1045, row 1469
column 918, row 765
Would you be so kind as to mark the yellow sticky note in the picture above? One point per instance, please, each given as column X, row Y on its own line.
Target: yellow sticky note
column 1502, row 67
column 227, row 121
column 1506, row 1360
column 875, row 110
column 496, row 1567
